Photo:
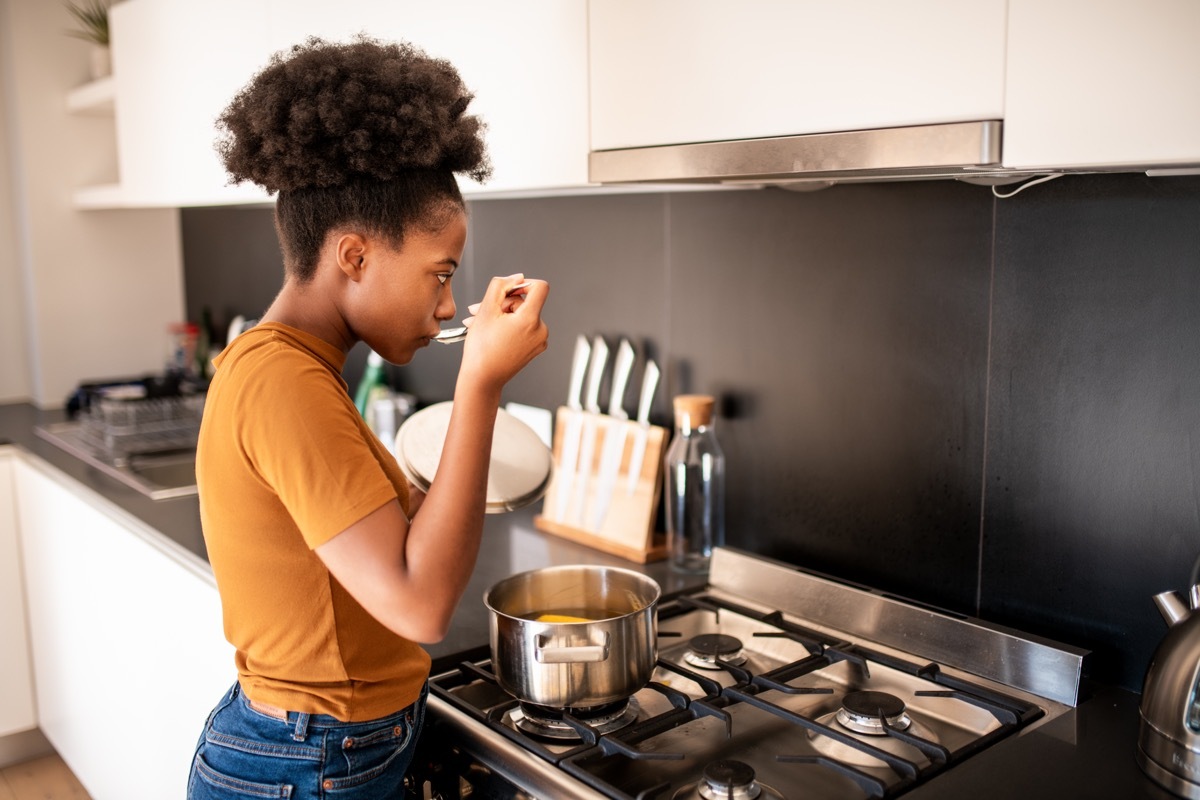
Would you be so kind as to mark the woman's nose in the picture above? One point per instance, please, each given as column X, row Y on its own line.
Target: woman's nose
column 446, row 309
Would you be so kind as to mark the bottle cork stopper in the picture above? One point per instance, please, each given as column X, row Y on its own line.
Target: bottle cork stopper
column 696, row 409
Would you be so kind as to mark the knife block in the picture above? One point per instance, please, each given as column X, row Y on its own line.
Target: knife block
column 627, row 529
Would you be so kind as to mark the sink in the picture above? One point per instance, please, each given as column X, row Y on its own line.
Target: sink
column 159, row 476
column 167, row 475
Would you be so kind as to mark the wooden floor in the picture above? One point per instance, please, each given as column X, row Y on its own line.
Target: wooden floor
column 44, row 778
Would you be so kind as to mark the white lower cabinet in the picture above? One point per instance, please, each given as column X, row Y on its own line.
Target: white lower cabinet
column 128, row 650
column 16, row 682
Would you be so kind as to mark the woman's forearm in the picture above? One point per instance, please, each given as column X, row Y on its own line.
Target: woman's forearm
column 443, row 540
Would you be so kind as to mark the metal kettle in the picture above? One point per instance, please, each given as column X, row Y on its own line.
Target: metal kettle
column 1169, row 730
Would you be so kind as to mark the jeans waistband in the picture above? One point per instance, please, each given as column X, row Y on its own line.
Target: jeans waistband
column 303, row 721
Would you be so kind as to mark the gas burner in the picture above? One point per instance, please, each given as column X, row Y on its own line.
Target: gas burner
column 704, row 651
column 548, row 723
column 728, row 780
column 863, row 714
column 866, row 712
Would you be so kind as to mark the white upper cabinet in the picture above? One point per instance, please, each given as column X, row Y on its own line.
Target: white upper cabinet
column 680, row 71
column 177, row 65
column 524, row 60
column 1102, row 83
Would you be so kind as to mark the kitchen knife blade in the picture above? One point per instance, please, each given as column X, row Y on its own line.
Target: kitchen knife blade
column 570, row 442
column 587, row 440
column 614, row 435
column 649, row 385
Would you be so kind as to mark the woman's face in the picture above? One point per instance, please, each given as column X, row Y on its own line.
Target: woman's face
column 406, row 294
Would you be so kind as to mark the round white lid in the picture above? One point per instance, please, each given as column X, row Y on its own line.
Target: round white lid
column 520, row 467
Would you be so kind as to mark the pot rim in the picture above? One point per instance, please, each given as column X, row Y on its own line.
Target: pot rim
column 637, row 576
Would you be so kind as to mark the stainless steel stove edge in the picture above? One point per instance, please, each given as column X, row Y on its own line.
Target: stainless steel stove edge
column 1041, row 667
column 516, row 764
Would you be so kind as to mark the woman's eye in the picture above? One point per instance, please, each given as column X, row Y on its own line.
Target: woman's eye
column 444, row 277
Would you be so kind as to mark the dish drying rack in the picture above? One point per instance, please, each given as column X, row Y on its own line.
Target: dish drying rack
column 123, row 427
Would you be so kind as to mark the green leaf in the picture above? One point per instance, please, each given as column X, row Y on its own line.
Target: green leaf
column 92, row 19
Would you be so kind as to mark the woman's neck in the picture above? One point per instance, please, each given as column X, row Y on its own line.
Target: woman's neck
column 311, row 308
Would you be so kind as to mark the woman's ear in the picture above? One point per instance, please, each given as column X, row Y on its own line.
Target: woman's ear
column 351, row 253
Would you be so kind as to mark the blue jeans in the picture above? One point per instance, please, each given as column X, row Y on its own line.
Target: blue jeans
column 244, row 753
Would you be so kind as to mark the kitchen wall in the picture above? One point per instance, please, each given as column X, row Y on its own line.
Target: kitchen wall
column 14, row 366
column 79, row 290
column 987, row 405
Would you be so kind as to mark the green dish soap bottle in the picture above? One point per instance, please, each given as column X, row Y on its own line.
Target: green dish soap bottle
column 372, row 376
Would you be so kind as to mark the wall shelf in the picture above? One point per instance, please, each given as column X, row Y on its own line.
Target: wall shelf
column 100, row 197
column 95, row 97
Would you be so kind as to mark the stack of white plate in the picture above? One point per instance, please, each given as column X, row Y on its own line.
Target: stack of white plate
column 520, row 465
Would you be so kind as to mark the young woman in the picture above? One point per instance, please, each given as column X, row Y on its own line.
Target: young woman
column 329, row 577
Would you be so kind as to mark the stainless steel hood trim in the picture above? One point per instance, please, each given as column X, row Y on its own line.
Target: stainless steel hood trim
column 949, row 150
column 1046, row 669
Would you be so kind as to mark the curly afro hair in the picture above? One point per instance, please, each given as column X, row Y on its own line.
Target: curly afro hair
column 327, row 114
column 364, row 133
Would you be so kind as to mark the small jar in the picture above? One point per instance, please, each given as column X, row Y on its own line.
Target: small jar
column 694, row 484
column 181, row 348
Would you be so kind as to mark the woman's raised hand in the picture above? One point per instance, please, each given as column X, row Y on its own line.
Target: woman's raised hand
column 507, row 331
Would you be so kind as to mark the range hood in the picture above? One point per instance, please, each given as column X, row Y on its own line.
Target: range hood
column 963, row 150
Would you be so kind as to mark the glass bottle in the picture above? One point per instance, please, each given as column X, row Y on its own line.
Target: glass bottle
column 694, row 485
column 204, row 346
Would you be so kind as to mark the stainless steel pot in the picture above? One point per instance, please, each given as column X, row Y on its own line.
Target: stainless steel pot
column 606, row 656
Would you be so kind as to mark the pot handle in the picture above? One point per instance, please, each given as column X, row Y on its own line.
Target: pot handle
column 570, row 655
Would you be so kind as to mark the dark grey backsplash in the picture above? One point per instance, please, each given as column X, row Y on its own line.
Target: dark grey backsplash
column 988, row 405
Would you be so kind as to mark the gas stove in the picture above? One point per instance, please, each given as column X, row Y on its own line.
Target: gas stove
column 770, row 683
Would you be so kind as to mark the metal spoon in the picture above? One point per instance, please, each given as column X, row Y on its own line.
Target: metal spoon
column 452, row 335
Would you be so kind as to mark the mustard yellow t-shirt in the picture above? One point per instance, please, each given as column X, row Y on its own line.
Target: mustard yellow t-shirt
column 284, row 464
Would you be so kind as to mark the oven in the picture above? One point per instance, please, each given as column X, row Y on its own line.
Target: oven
column 770, row 683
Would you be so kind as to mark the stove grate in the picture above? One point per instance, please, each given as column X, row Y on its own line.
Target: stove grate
column 583, row 761
column 874, row 787
column 1009, row 712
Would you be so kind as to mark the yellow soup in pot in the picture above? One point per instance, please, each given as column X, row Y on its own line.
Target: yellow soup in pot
column 560, row 618
column 572, row 615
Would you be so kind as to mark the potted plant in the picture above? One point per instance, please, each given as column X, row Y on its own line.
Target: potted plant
column 91, row 17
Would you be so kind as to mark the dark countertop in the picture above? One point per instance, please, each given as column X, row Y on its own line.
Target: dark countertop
column 1087, row 752
column 511, row 543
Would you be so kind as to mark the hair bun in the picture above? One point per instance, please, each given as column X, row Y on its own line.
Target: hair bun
column 326, row 114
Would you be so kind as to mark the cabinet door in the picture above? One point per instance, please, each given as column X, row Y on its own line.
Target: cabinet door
column 128, row 650
column 524, row 60
column 176, row 66
column 676, row 71
column 16, row 682
column 1102, row 83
